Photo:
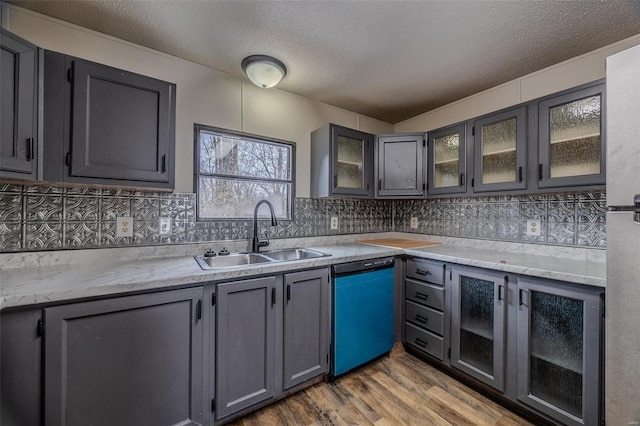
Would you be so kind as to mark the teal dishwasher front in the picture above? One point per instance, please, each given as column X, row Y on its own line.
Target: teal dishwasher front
column 362, row 302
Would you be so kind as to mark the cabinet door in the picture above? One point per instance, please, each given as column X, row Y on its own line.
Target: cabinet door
column 352, row 162
column 478, row 324
column 447, row 160
column 18, row 107
column 125, row 361
column 571, row 137
column 559, row 357
column 500, row 151
column 400, row 165
column 245, row 348
column 122, row 124
column 306, row 326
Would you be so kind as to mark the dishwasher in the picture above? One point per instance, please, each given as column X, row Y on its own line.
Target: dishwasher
column 362, row 313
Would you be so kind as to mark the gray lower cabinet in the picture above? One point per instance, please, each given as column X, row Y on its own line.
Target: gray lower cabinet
column 426, row 325
column 104, row 125
column 306, row 326
column 559, row 361
column 18, row 107
column 400, row 165
column 272, row 336
column 478, row 313
column 21, row 369
column 125, row 361
column 245, row 346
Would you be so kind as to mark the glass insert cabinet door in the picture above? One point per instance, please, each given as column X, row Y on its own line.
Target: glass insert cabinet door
column 500, row 144
column 571, row 138
column 352, row 161
column 559, row 360
column 477, row 324
column 447, row 149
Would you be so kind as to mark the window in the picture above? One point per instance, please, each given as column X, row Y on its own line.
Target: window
column 234, row 171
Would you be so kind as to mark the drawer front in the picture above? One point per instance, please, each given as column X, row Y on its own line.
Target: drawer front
column 425, row 341
column 425, row 294
column 424, row 317
column 426, row 270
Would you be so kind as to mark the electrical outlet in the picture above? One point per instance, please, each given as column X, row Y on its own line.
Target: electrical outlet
column 334, row 222
column 533, row 227
column 164, row 225
column 124, row 226
column 414, row 222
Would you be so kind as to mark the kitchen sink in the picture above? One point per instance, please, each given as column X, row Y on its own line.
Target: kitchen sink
column 294, row 254
column 235, row 259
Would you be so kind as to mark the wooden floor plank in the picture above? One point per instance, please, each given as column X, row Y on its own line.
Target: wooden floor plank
column 392, row 391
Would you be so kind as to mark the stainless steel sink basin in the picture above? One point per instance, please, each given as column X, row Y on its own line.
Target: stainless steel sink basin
column 294, row 254
column 235, row 259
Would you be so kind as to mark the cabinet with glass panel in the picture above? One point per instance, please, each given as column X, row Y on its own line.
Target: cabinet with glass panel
column 341, row 162
column 571, row 148
column 478, row 311
column 447, row 160
column 500, row 151
column 559, row 361
column 538, row 341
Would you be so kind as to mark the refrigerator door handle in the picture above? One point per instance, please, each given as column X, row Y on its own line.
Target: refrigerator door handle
column 635, row 208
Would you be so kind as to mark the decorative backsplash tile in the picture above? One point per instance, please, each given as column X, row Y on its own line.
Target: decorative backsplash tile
column 49, row 218
column 568, row 219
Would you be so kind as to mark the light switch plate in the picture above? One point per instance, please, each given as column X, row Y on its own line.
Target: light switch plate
column 124, row 226
column 414, row 222
column 334, row 222
column 533, row 227
column 164, row 225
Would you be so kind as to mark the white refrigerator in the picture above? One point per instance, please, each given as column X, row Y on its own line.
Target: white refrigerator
column 622, row 319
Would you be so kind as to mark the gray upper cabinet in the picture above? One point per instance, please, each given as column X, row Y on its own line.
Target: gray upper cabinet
column 306, row 326
column 571, row 138
column 500, row 151
column 125, row 361
column 341, row 162
column 478, row 313
column 447, row 160
column 400, row 165
column 107, row 126
column 559, row 364
column 245, row 347
column 18, row 107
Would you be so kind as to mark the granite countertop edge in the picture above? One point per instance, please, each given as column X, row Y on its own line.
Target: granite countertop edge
column 43, row 285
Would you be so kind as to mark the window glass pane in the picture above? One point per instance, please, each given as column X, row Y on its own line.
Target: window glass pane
column 233, row 198
column 227, row 155
column 446, row 158
column 575, row 138
column 499, row 151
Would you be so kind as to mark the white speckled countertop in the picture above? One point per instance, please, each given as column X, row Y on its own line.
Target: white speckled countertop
column 556, row 268
column 44, row 277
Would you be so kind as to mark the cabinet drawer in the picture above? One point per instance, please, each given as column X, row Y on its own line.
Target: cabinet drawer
column 424, row 317
column 426, row 270
column 425, row 294
column 425, row 341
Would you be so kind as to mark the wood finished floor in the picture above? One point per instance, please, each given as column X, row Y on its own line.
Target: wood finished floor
column 395, row 390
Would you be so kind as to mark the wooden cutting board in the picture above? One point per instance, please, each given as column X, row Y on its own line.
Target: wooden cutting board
column 398, row 243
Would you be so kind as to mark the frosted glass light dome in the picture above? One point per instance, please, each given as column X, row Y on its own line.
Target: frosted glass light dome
column 264, row 71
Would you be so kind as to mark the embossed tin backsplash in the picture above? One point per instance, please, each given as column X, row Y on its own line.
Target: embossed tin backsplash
column 568, row 219
column 49, row 218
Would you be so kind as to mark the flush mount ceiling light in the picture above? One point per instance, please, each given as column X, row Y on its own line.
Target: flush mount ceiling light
column 264, row 71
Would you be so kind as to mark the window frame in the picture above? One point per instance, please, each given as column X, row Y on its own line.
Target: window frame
column 197, row 128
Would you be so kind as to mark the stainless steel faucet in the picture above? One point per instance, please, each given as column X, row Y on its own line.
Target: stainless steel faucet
column 257, row 243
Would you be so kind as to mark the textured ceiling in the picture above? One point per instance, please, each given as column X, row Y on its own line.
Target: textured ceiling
column 390, row 60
